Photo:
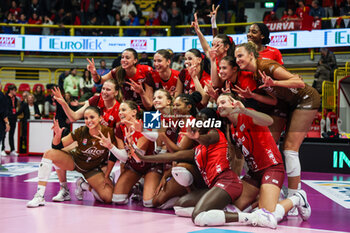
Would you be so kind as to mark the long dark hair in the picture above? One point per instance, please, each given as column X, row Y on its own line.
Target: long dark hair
column 120, row 72
column 228, row 41
column 192, row 100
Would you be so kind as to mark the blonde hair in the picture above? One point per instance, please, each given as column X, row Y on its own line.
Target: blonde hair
column 250, row 47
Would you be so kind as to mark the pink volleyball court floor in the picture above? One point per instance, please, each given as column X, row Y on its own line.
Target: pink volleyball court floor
column 328, row 194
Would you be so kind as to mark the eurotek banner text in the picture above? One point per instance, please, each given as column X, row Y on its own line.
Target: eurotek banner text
column 280, row 40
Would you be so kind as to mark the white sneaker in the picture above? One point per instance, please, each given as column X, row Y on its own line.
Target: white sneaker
column 264, row 218
column 293, row 212
column 62, row 195
column 79, row 192
column 37, row 201
column 304, row 206
column 13, row 153
column 3, row 153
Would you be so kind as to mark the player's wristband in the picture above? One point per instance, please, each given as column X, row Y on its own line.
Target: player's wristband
column 57, row 147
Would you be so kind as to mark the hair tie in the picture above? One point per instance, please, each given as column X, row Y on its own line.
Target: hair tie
column 231, row 39
column 203, row 57
column 138, row 108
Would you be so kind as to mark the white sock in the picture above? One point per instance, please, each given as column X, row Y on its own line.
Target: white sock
column 120, row 199
column 183, row 211
column 85, row 186
column 279, row 212
column 41, row 190
column 245, row 218
column 295, row 200
column 148, row 203
column 64, row 185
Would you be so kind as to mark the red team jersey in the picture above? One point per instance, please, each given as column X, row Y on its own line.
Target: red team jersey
column 256, row 143
column 139, row 77
column 156, row 82
column 213, row 159
column 271, row 53
column 188, row 84
column 141, row 167
column 110, row 116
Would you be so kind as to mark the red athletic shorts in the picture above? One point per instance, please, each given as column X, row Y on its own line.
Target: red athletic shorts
column 271, row 175
column 230, row 182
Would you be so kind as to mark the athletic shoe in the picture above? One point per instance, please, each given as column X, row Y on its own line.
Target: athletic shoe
column 293, row 212
column 62, row 195
column 264, row 218
column 3, row 153
column 304, row 206
column 137, row 192
column 79, row 192
column 37, row 201
column 13, row 153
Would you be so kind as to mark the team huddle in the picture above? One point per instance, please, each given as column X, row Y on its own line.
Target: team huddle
column 194, row 169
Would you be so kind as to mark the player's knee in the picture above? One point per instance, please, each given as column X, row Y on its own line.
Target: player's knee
column 48, row 154
column 106, row 197
column 292, row 163
column 182, row 176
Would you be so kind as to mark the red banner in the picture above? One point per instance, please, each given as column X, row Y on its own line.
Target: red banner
column 293, row 25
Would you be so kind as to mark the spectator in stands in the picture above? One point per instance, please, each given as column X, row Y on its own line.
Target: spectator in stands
column 85, row 94
column 125, row 10
column 61, row 79
column 177, row 62
column 290, row 15
column 325, row 68
column 174, row 20
column 302, row 10
column 50, row 103
column 189, row 10
column 117, row 5
column 174, row 5
column 101, row 12
column 328, row 7
column 145, row 60
column 15, row 10
column 22, row 19
column 35, row 6
column 47, row 21
column 87, row 9
column 118, row 20
column 317, row 11
column 39, row 97
column 133, row 21
column 8, row 19
column 152, row 21
column 12, row 117
column 4, row 121
column 345, row 8
column 95, row 31
column 34, row 19
column 162, row 16
column 71, row 83
column 86, row 81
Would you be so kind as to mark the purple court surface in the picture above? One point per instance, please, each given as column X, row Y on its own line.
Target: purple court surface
column 328, row 194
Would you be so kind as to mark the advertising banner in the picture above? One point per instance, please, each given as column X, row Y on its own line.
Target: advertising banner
column 78, row 44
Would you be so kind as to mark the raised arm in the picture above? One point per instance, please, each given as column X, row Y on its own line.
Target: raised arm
column 200, row 35
column 95, row 76
column 72, row 116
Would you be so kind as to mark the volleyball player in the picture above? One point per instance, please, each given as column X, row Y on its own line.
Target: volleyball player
column 86, row 158
column 303, row 102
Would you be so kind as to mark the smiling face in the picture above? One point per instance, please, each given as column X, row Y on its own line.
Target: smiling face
column 92, row 119
column 160, row 100
column 243, row 57
column 220, row 47
column 180, row 107
column 255, row 35
column 160, row 63
column 128, row 60
column 108, row 91
column 224, row 104
column 191, row 59
column 126, row 113
column 226, row 70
